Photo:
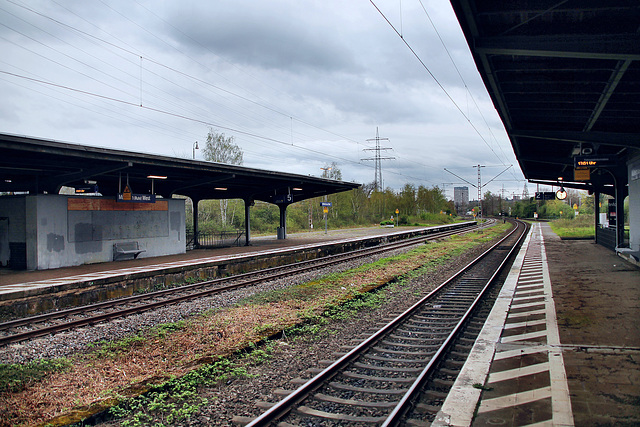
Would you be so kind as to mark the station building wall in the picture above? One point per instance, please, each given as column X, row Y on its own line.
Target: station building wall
column 52, row 231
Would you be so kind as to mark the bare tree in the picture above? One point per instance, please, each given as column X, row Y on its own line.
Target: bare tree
column 218, row 148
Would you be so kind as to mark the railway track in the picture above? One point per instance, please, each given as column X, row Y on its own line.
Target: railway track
column 397, row 375
column 50, row 323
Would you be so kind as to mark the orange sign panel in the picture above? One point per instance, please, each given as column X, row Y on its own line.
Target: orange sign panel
column 582, row 174
column 86, row 204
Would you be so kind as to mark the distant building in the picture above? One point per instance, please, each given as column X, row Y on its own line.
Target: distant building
column 461, row 199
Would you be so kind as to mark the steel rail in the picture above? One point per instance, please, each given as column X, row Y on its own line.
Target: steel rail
column 395, row 417
column 242, row 280
column 285, row 405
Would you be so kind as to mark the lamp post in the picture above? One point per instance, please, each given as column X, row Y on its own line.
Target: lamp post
column 195, row 147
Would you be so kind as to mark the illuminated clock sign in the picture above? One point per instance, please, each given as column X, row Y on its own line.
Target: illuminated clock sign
column 594, row 161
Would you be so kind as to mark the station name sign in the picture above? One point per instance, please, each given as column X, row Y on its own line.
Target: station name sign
column 594, row 161
column 327, row 204
column 136, row 198
column 128, row 196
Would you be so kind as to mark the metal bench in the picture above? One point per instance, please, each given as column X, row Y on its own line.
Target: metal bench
column 126, row 248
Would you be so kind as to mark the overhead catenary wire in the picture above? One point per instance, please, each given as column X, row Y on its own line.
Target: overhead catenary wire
column 132, row 51
column 181, row 107
column 453, row 62
column 444, row 90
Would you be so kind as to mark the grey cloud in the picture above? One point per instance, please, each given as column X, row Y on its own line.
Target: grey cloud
column 269, row 38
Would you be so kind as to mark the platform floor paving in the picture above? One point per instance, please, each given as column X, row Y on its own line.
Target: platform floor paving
column 561, row 346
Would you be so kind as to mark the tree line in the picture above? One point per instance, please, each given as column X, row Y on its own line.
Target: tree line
column 363, row 206
column 358, row 207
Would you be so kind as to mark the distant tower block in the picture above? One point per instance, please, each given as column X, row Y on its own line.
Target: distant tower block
column 461, row 199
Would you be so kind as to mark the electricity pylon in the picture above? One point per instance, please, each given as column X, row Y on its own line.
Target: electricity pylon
column 377, row 181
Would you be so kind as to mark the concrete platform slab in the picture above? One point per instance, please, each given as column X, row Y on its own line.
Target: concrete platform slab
column 581, row 367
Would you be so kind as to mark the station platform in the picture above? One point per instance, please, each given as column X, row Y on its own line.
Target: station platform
column 561, row 346
column 114, row 279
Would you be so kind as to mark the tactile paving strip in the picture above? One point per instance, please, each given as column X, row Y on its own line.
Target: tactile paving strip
column 526, row 383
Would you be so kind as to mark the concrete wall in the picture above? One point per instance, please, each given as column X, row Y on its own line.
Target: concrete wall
column 62, row 231
column 634, row 204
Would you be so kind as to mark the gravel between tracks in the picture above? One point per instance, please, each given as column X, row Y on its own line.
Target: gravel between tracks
column 291, row 358
column 68, row 343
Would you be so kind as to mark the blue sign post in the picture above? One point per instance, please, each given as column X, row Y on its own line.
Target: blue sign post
column 325, row 208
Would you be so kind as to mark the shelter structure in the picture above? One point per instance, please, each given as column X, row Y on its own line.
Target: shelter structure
column 123, row 203
column 564, row 77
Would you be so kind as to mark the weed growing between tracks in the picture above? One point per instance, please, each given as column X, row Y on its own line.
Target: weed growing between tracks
column 165, row 365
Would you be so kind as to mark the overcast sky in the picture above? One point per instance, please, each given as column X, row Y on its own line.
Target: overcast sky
column 298, row 84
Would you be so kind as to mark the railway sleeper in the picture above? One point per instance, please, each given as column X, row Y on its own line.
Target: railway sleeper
column 419, row 339
column 423, row 408
column 449, row 323
column 456, row 303
column 454, row 363
column 304, row 410
column 439, row 311
column 413, row 423
column 463, row 348
column 369, row 390
column 473, row 329
column 282, row 392
column 428, row 324
column 264, row 405
column 404, row 352
column 437, row 319
column 467, row 340
column 386, row 368
column 396, row 360
column 425, row 331
column 435, row 395
column 443, row 382
column 416, row 346
column 355, row 375
column 240, row 420
column 451, row 372
column 351, row 402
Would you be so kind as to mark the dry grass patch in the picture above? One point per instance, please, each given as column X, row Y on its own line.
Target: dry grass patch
column 151, row 358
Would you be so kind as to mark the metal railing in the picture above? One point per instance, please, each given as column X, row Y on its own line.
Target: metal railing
column 606, row 236
column 214, row 239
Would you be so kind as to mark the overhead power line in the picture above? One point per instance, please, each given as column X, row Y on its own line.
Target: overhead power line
column 424, row 65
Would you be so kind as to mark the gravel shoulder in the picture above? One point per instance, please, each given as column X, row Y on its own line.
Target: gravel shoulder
column 290, row 356
column 293, row 357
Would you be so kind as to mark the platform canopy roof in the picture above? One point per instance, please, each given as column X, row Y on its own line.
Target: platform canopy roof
column 564, row 76
column 43, row 166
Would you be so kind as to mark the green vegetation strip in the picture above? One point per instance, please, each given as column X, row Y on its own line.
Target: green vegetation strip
column 580, row 227
column 154, row 376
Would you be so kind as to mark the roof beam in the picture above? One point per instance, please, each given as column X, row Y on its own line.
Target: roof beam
column 564, row 161
column 617, row 74
column 606, row 138
column 57, row 182
column 616, row 47
column 171, row 190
